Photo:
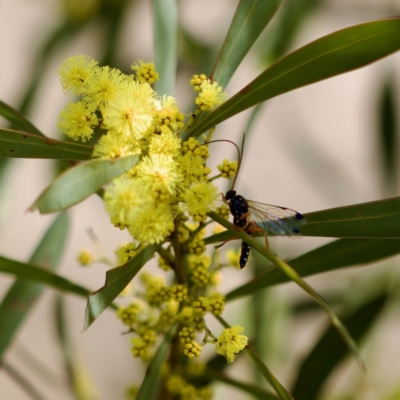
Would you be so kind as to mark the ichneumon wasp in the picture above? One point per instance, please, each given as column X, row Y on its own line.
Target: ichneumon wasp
column 253, row 217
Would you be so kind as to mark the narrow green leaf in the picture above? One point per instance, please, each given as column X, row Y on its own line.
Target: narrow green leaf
column 268, row 375
column 22, row 295
column 116, row 281
column 335, row 54
column 292, row 16
column 32, row 362
column 23, row 382
column 33, row 273
column 165, row 15
column 250, row 19
column 295, row 277
column 254, row 390
column 330, row 350
column 149, row 386
column 17, row 119
column 377, row 219
column 78, row 183
column 388, row 122
column 335, row 255
column 79, row 380
column 16, row 144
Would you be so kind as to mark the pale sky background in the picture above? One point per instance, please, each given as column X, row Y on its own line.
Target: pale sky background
column 311, row 149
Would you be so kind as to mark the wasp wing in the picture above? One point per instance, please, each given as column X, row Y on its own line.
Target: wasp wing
column 276, row 220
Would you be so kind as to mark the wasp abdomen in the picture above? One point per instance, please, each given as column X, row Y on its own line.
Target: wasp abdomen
column 244, row 255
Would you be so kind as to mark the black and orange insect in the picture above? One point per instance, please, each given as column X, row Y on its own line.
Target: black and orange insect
column 253, row 217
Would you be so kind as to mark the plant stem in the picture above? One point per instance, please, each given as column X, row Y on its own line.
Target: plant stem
column 179, row 259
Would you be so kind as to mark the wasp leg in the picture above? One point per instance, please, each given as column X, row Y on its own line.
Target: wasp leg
column 223, row 198
column 226, row 241
column 253, row 228
column 245, row 216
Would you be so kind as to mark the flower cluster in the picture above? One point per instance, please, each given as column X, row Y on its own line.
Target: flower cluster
column 154, row 201
column 171, row 176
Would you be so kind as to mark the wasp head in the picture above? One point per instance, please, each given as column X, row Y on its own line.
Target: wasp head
column 229, row 194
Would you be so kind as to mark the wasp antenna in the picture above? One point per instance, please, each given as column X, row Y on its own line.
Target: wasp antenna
column 240, row 152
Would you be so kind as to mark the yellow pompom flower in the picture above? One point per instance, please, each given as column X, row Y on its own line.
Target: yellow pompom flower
column 224, row 212
column 210, row 95
column 233, row 257
column 74, row 73
column 103, row 86
column 145, row 72
column 195, row 369
column 125, row 253
column 151, row 224
column 114, row 145
column 167, row 143
column 85, row 257
column 124, row 198
column 131, row 113
column 128, row 315
column 132, row 392
column 193, row 169
column 77, row 121
column 159, row 171
column 231, row 342
column 174, row 384
column 189, row 392
column 200, row 199
column 168, row 315
column 186, row 316
column 204, row 393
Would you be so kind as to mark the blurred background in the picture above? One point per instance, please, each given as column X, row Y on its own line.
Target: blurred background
column 327, row 145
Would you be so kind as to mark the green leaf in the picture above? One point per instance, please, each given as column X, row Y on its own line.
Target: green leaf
column 292, row 16
column 22, row 295
column 16, row 144
column 330, row 350
column 388, row 122
column 17, row 119
column 149, row 386
column 254, row 390
column 33, row 273
column 79, row 380
column 335, row 54
column 335, row 255
column 250, row 19
column 116, row 281
column 377, row 219
column 78, row 183
column 165, row 15
column 295, row 277
column 268, row 375
column 24, row 383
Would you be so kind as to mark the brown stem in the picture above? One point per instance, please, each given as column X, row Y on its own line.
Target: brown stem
column 179, row 257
